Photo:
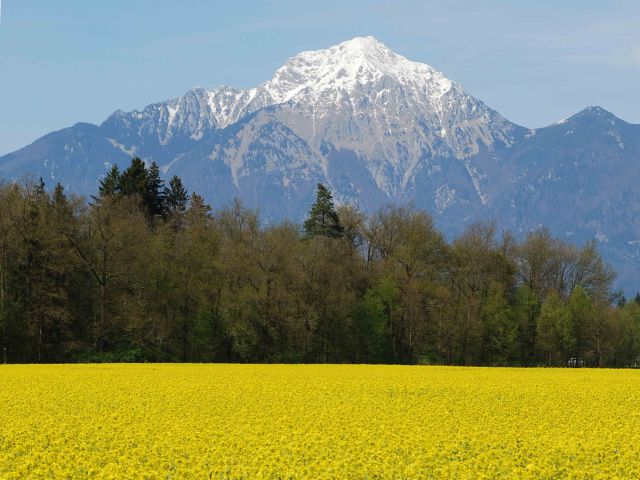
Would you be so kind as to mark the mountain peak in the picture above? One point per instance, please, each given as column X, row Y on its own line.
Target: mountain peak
column 592, row 115
column 596, row 111
column 350, row 65
column 372, row 53
column 364, row 45
column 366, row 41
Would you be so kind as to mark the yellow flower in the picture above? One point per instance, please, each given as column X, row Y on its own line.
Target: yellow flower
column 275, row 421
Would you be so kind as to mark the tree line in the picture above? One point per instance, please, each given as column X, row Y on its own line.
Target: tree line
column 146, row 272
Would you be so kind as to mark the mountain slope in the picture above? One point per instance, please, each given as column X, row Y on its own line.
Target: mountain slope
column 76, row 157
column 580, row 178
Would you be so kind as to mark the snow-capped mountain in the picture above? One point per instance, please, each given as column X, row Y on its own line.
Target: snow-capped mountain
column 377, row 128
column 357, row 97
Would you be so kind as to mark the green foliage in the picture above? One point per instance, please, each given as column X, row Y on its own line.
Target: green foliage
column 374, row 322
column 582, row 313
column 111, row 184
column 148, row 188
column 526, row 309
column 627, row 348
column 133, row 181
column 176, row 196
column 323, row 219
column 153, row 196
column 147, row 273
column 555, row 332
column 500, row 330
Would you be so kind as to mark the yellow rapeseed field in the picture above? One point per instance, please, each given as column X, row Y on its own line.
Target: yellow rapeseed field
column 265, row 421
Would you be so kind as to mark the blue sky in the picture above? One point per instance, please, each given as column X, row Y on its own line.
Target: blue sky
column 64, row 61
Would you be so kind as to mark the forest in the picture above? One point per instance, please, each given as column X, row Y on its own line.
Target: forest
column 145, row 272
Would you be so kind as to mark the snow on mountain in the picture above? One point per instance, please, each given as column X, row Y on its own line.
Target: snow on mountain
column 358, row 96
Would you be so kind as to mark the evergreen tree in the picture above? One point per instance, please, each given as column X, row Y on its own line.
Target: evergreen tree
column 134, row 179
column 111, row 184
column 323, row 219
column 618, row 298
column 41, row 274
column 176, row 196
column 39, row 190
column 59, row 198
column 154, row 197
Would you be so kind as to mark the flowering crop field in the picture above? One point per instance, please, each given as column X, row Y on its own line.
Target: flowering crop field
column 275, row 421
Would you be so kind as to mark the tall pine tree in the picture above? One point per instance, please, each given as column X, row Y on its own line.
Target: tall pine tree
column 111, row 184
column 176, row 196
column 154, row 198
column 134, row 179
column 323, row 219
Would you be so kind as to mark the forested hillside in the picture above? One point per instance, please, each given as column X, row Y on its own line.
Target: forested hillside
column 146, row 272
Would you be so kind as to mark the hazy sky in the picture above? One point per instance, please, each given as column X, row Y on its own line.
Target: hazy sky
column 64, row 61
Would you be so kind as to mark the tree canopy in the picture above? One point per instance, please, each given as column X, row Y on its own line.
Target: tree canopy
column 323, row 218
column 149, row 272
